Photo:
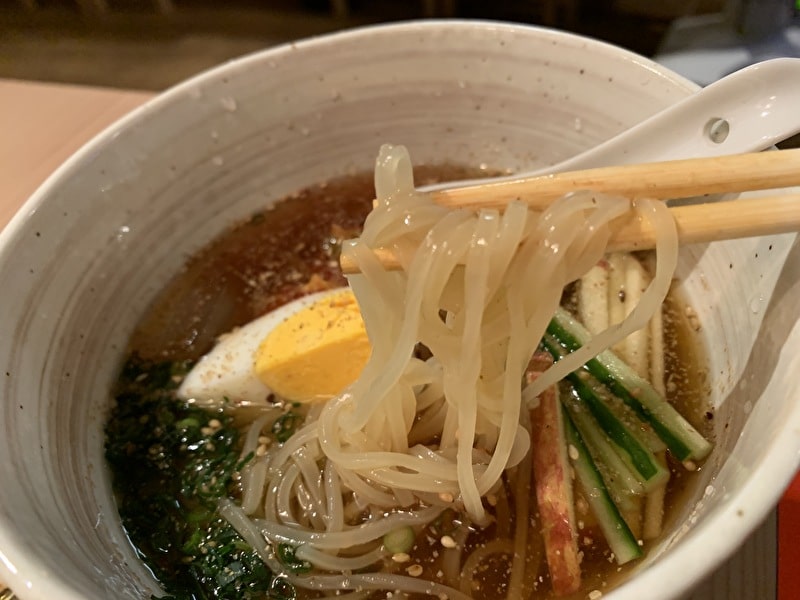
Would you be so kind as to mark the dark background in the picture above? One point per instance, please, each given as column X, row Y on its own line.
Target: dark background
column 151, row 44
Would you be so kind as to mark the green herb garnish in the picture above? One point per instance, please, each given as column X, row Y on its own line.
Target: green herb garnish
column 171, row 464
column 286, row 554
column 284, row 426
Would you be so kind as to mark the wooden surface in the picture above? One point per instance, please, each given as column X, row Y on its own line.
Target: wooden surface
column 43, row 124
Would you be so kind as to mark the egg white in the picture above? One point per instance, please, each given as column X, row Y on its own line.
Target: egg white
column 227, row 370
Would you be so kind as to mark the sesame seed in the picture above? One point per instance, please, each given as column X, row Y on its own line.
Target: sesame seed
column 400, row 557
column 573, row 452
column 446, row 497
column 595, row 594
column 414, row 570
column 447, row 541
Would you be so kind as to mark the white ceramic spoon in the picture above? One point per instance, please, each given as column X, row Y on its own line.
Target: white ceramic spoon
column 747, row 111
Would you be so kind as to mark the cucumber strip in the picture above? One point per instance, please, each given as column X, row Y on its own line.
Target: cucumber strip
column 636, row 455
column 628, row 502
column 683, row 440
column 593, row 298
column 654, row 508
column 617, row 533
column 637, row 344
column 621, row 481
column 640, row 429
column 616, row 295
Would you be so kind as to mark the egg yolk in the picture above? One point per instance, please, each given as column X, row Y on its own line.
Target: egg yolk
column 317, row 352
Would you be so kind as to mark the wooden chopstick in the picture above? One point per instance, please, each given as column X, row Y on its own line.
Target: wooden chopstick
column 696, row 223
column 715, row 221
column 671, row 179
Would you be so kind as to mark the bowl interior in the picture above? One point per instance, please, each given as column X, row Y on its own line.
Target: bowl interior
column 91, row 250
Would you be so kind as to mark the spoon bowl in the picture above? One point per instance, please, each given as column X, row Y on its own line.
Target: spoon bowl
column 747, row 111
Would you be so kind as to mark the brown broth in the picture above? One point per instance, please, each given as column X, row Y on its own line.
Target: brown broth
column 686, row 378
column 292, row 249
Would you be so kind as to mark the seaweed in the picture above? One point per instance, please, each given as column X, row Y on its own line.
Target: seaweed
column 171, row 463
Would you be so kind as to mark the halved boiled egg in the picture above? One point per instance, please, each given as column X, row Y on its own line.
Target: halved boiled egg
column 309, row 349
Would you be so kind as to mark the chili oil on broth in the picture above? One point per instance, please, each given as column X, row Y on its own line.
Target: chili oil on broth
column 292, row 249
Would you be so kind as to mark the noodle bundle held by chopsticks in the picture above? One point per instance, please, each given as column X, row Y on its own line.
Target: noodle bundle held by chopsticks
column 414, row 436
column 478, row 290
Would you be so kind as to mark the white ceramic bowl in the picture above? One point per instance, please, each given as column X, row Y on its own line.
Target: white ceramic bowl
column 82, row 260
